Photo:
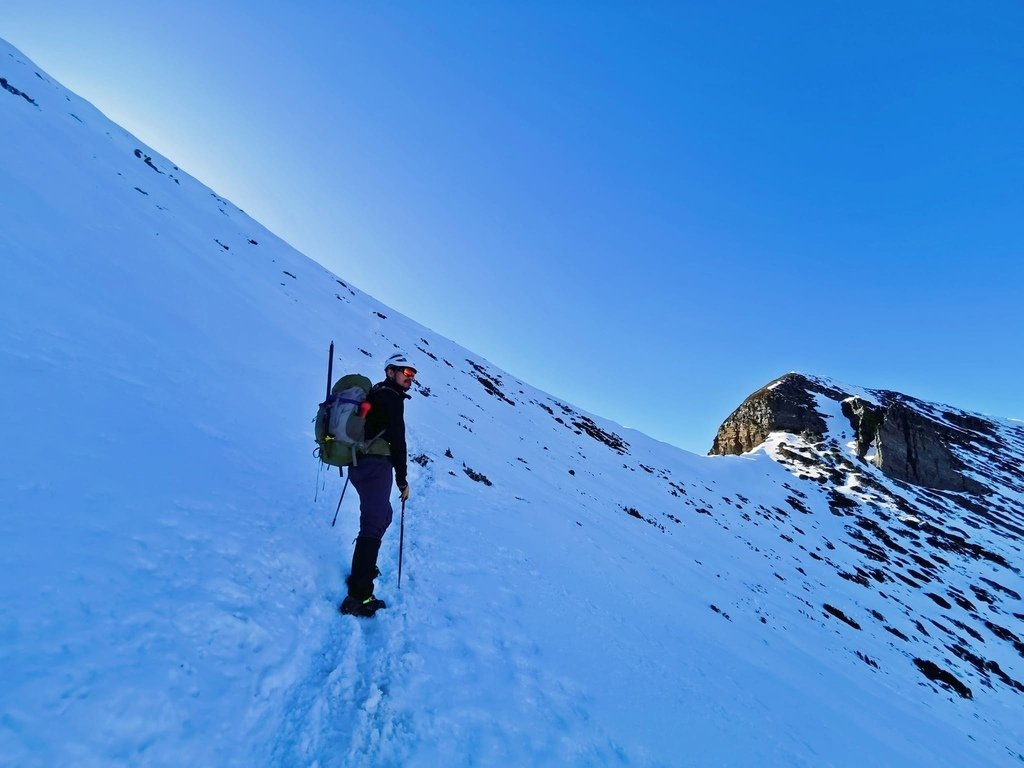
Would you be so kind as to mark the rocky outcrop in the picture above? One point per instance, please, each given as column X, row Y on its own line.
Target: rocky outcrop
column 911, row 443
column 785, row 405
column 910, row 446
column 925, row 499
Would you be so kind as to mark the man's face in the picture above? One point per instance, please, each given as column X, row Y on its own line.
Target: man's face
column 403, row 377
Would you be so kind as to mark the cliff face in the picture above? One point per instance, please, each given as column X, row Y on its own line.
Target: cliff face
column 902, row 436
column 911, row 446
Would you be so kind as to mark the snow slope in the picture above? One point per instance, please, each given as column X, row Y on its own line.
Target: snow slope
column 573, row 593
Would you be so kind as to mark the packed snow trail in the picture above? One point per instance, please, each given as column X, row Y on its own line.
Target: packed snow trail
column 439, row 677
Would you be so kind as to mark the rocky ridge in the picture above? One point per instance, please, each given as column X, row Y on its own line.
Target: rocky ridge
column 931, row 498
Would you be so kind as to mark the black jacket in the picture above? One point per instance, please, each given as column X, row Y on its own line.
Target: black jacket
column 387, row 419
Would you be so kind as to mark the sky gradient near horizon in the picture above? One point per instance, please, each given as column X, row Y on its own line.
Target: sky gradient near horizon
column 649, row 211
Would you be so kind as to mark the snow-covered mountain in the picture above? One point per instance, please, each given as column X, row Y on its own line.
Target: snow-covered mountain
column 845, row 592
column 930, row 521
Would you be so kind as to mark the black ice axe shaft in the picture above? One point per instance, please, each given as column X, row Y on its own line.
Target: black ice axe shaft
column 330, row 367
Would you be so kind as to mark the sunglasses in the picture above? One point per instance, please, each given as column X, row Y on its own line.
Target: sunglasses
column 409, row 373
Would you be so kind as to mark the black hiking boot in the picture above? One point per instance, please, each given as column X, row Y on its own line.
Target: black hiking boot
column 353, row 606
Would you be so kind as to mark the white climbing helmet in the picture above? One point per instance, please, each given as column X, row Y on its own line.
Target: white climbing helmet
column 398, row 360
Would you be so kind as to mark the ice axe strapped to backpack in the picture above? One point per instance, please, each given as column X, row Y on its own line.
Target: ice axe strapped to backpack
column 340, row 424
column 341, row 419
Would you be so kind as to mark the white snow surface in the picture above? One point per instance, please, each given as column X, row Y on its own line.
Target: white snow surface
column 171, row 577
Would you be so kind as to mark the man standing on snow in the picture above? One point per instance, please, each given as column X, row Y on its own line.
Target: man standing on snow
column 385, row 431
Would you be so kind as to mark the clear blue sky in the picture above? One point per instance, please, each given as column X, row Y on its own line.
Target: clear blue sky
column 650, row 210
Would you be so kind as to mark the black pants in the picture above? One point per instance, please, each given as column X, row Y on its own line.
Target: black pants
column 372, row 479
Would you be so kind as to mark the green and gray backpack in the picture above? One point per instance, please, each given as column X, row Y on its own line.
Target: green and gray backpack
column 341, row 421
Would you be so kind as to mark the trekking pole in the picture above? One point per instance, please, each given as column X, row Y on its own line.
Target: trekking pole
column 343, row 489
column 401, row 544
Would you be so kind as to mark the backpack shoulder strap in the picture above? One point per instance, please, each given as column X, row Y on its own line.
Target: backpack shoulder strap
column 380, row 387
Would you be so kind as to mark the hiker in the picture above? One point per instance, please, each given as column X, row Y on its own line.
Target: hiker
column 371, row 477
